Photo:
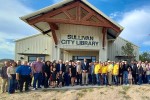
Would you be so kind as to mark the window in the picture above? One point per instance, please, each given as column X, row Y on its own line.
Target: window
column 33, row 58
column 81, row 58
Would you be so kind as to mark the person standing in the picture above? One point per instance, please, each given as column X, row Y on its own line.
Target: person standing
column 144, row 73
column 115, row 73
column 104, row 73
column 37, row 67
column 73, row 73
column 120, row 73
column 134, row 69
column 96, row 71
column 125, row 73
column 110, row 69
column 11, row 72
column 91, row 72
column 4, row 76
column 66, row 74
column 23, row 74
column 79, row 73
column 139, row 73
column 60, row 79
column 148, row 73
column 47, row 73
column 60, row 67
column 130, row 76
column 54, row 76
column 85, row 67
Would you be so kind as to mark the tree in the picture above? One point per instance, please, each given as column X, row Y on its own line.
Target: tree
column 145, row 56
column 128, row 50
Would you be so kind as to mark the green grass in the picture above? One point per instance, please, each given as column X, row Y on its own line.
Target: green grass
column 90, row 89
column 125, row 88
column 1, row 65
column 127, row 97
column 122, row 92
column 84, row 90
column 146, row 98
column 80, row 94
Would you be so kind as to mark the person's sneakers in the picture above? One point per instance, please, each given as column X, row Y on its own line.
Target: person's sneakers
column 34, row 89
column 39, row 87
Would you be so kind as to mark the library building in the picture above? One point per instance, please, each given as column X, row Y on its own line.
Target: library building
column 72, row 30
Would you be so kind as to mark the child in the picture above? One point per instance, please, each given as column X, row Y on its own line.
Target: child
column 130, row 76
column 54, row 73
column 60, row 79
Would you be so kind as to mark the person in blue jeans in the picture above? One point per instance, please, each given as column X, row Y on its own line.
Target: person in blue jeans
column 139, row 72
column 148, row 73
column 11, row 72
column 125, row 72
column 98, row 78
column 37, row 67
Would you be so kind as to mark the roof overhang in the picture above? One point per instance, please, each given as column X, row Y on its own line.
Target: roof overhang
column 33, row 54
column 44, row 27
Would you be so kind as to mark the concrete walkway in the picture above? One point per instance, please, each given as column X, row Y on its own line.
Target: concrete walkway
column 76, row 87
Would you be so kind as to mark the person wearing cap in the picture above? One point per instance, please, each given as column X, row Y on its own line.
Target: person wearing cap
column 110, row 69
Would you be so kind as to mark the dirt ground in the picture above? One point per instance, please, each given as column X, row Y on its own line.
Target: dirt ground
column 100, row 93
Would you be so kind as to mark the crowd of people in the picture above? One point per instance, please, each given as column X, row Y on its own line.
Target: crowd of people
column 69, row 73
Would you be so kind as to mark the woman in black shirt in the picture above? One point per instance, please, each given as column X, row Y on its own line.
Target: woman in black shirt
column 47, row 73
column 121, row 73
column 73, row 73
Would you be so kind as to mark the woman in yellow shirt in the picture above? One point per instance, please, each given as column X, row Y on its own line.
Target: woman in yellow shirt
column 96, row 70
column 115, row 73
column 104, row 73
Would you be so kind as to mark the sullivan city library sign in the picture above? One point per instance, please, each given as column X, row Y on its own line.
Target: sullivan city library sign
column 79, row 40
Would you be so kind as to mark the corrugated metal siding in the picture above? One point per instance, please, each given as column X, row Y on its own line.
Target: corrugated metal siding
column 115, row 48
column 40, row 44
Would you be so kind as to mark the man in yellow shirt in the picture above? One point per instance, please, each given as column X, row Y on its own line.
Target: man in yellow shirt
column 115, row 73
column 104, row 73
column 96, row 71
column 110, row 69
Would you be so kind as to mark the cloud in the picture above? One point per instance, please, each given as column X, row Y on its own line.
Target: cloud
column 56, row 1
column 147, row 43
column 11, row 27
column 136, row 26
column 116, row 15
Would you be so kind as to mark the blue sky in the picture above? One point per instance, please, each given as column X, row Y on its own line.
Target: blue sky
column 133, row 15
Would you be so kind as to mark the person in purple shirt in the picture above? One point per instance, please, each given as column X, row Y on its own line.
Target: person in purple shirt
column 37, row 72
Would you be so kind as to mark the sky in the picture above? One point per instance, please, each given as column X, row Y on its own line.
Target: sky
column 133, row 15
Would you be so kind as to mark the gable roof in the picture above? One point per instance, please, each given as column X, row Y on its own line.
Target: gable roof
column 60, row 4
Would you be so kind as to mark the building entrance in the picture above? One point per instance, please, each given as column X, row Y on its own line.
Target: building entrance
column 81, row 58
